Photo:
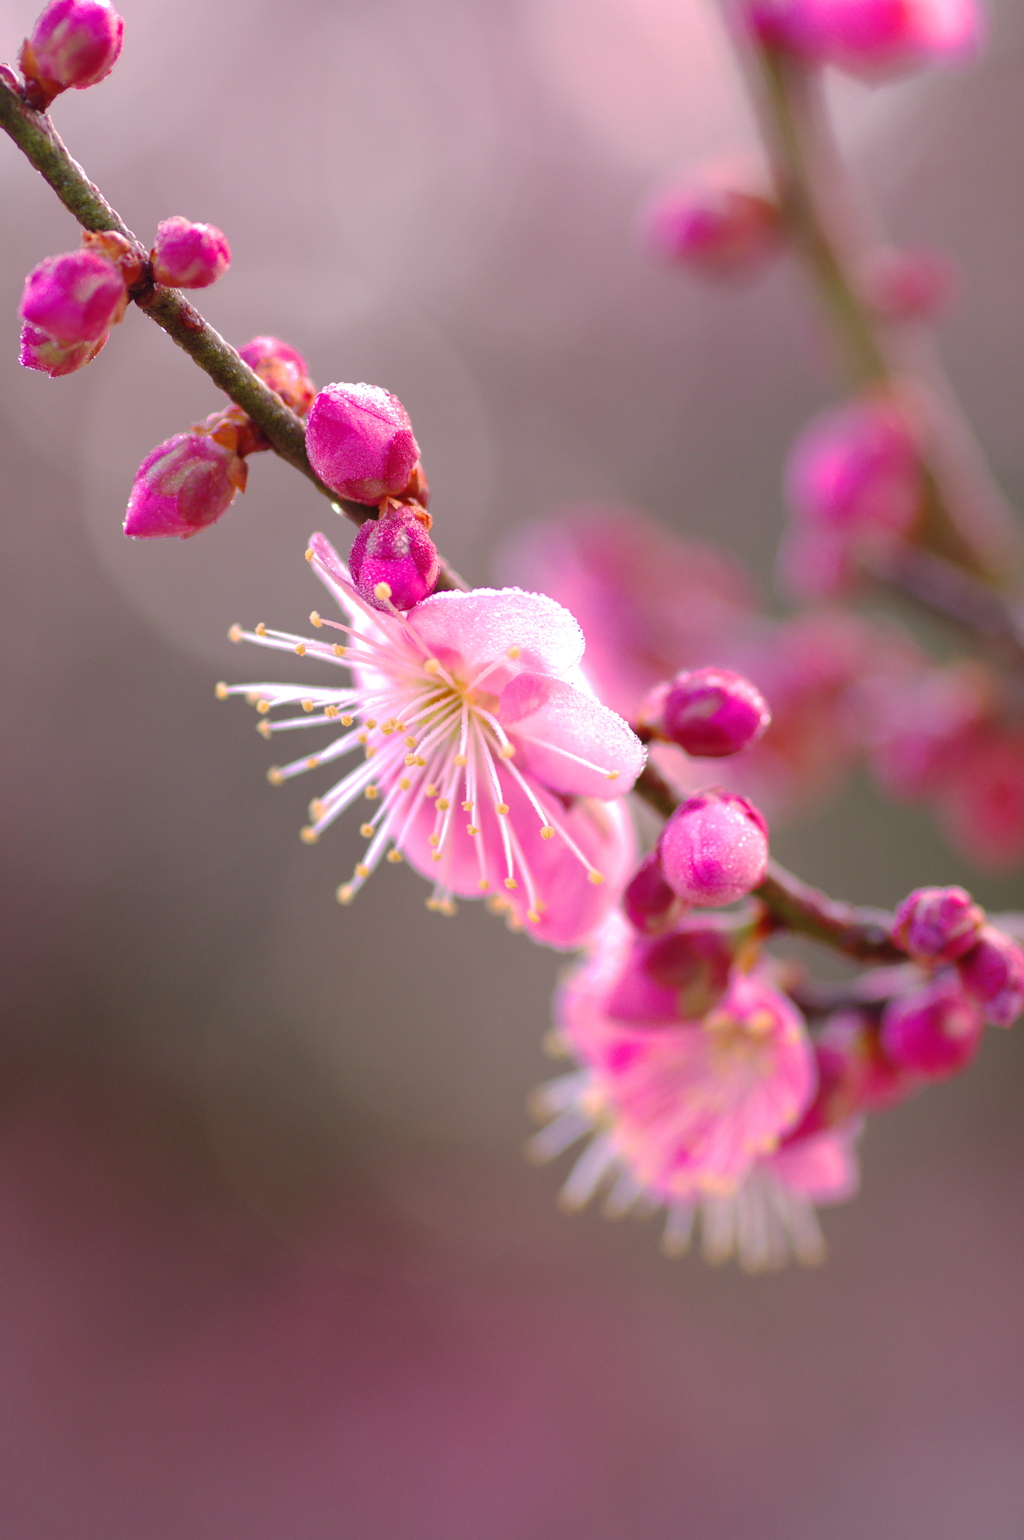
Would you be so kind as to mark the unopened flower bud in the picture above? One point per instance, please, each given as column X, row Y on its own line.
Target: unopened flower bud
column 992, row 973
column 189, row 256
column 650, row 904
column 938, row 924
column 716, row 231
column 75, row 297
column 712, row 712
column 933, row 1031
column 695, row 961
column 360, row 442
column 73, row 43
column 910, row 285
column 714, row 848
column 868, row 37
column 40, row 351
column 394, row 552
column 856, row 471
column 283, row 368
column 184, row 485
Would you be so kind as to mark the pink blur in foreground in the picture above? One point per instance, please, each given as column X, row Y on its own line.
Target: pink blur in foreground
column 715, row 231
column 869, row 37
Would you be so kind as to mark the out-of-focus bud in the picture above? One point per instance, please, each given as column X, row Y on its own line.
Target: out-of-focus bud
column 910, row 285
column 938, row 924
column 815, row 562
column 39, row 351
column 992, row 973
column 73, row 43
column 283, row 368
column 854, row 1074
column 856, row 471
column 980, row 797
column 393, row 561
column 360, row 442
column 75, row 297
column 868, row 37
column 187, row 483
column 714, row 848
column 715, row 230
column 711, row 713
column 189, row 256
column 933, row 1031
column 695, row 961
column 650, row 904
column 922, row 725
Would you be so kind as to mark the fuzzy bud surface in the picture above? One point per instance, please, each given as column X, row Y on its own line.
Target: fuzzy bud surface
column 938, row 924
column 714, row 848
column 39, row 351
column 73, row 43
column 74, row 298
column 713, row 712
column 394, row 552
column 360, row 442
column 283, row 368
column 189, row 256
column 186, row 484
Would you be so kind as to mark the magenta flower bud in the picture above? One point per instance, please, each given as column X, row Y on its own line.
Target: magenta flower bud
column 393, row 561
column 714, row 848
column 650, row 904
column 992, row 973
column 856, row 471
column 188, row 256
column 934, row 1031
column 360, row 442
column 712, row 712
column 938, row 924
column 184, row 485
column 283, row 368
column 73, row 43
column 868, row 37
column 39, row 351
column 695, row 962
column 718, row 232
column 910, row 285
column 75, row 297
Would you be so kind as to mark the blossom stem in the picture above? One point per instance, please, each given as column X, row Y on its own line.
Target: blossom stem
column 34, row 134
column 829, row 236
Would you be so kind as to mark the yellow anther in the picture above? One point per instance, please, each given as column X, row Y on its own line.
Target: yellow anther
column 382, row 591
column 412, row 759
column 262, row 705
column 366, row 830
column 309, row 553
column 387, row 728
column 301, row 649
column 371, row 751
column 472, row 829
column 612, row 775
column 432, row 839
column 264, row 729
column 514, row 651
column 460, row 760
column 436, row 856
column 467, row 807
column 339, row 650
column 274, row 776
column 394, row 856
column 502, row 808
column 404, row 783
column 506, row 751
column 235, row 634
column 346, row 893
column 362, row 871
column 483, row 884
column 371, row 793
column 346, row 720
column 533, row 916
column 511, row 883
column 221, row 691
column 431, row 666
column 361, row 737
column 595, row 878
column 261, row 629
column 432, row 903
column 316, row 809
column 312, row 762
column 314, row 619
column 331, row 711
column 253, row 698
column 307, row 705
column 443, row 804
column 430, row 790
column 308, row 836
column 498, row 905
column 547, row 832
column 448, row 908
column 370, row 722
column 410, row 743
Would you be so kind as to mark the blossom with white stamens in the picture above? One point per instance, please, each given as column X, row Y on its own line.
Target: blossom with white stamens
column 486, row 763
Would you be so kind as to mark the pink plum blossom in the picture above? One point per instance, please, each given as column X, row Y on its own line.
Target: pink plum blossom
column 361, row 443
column 189, row 256
column 485, row 761
column 73, row 43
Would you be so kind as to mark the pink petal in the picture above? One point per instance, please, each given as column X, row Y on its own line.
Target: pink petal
column 555, row 726
column 468, row 632
column 823, row 1167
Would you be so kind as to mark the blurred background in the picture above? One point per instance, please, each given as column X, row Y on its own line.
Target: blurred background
column 271, row 1262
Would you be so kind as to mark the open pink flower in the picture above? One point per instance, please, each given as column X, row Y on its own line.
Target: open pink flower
column 484, row 762
column 685, row 1106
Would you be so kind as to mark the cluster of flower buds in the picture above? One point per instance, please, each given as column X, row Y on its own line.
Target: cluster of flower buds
column 867, row 37
column 855, row 488
column 361, row 445
column 73, row 43
column 715, row 230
